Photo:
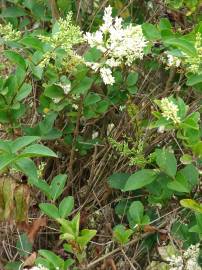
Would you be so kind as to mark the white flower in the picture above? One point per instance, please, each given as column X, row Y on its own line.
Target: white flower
column 117, row 43
column 9, row 33
column 170, row 110
column 95, row 135
column 118, row 23
column 106, row 75
column 38, row 267
column 95, row 38
column 150, row 5
column 66, row 88
column 176, row 262
column 108, row 20
column 56, row 100
column 111, row 62
column 109, row 128
column 173, row 61
column 161, row 129
column 187, row 261
column 75, row 106
column 94, row 66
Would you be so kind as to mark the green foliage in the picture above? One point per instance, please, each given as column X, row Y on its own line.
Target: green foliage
column 136, row 215
column 121, row 234
column 63, row 88
column 140, row 179
column 23, row 245
column 50, row 260
column 166, row 161
column 16, row 155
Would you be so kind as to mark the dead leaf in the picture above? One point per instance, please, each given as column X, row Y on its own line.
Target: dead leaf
column 35, row 228
column 22, row 195
column 109, row 262
column 30, row 260
column 149, row 228
column 8, row 197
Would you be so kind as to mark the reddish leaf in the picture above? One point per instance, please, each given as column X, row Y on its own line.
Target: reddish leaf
column 35, row 228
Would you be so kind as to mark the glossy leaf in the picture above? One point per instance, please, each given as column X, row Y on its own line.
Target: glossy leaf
column 140, row 179
column 50, row 210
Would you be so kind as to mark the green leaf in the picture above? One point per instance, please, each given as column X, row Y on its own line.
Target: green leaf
column 55, row 260
column 57, row 186
column 50, row 210
column 23, row 245
column 85, row 237
column 102, row 106
column 13, row 265
column 199, row 221
column 66, row 206
column 92, row 55
column 122, row 207
column 118, row 180
column 64, row 5
column 132, row 79
column 28, row 167
column 183, row 44
column 32, row 42
column 164, row 24
column 38, row 150
column 21, row 142
column 194, row 79
column 186, row 159
column 75, row 224
column 191, row 173
column 191, row 204
column 24, row 91
column 16, row 58
column 180, row 184
column 67, row 229
column 13, row 12
column 68, row 263
column 121, row 234
column 166, row 161
column 83, row 86
column 136, row 214
column 140, row 179
column 54, row 91
column 91, row 98
column 5, row 146
column 197, row 148
column 43, row 186
column 5, row 160
column 150, row 31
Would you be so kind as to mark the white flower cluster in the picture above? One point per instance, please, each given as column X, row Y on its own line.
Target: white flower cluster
column 170, row 110
column 106, row 75
column 118, row 45
column 8, row 33
column 173, row 61
column 66, row 36
column 187, row 261
column 194, row 63
column 47, row 57
column 66, row 87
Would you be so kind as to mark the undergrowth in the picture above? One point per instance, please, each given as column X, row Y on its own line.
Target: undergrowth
column 100, row 125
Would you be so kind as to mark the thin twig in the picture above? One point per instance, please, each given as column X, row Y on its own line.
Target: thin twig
column 54, row 10
column 76, row 132
column 144, row 235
